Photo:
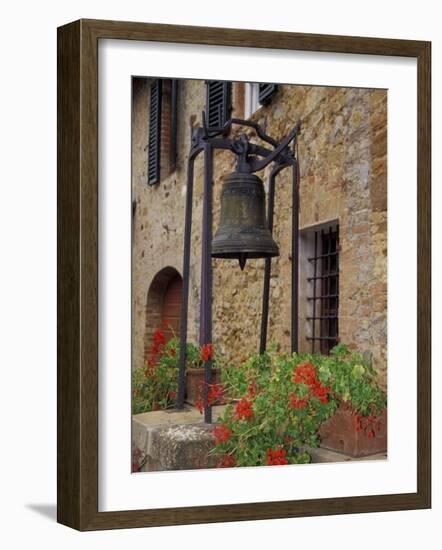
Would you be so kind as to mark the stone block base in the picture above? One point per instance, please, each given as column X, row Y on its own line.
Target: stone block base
column 172, row 440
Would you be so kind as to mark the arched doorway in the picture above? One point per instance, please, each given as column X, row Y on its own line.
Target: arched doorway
column 163, row 304
column 171, row 310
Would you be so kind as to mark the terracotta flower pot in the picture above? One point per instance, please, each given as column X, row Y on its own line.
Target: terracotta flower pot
column 339, row 433
column 195, row 383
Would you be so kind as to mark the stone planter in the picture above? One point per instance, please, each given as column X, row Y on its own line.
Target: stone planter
column 338, row 433
column 195, row 383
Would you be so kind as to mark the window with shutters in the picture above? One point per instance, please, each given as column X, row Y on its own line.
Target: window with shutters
column 256, row 95
column 218, row 102
column 163, row 127
column 266, row 92
column 154, row 146
column 251, row 99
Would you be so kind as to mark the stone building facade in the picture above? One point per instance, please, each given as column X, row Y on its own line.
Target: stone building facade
column 343, row 187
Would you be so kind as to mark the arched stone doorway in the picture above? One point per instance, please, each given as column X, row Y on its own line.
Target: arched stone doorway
column 163, row 304
column 172, row 306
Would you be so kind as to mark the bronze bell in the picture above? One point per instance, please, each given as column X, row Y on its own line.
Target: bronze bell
column 243, row 231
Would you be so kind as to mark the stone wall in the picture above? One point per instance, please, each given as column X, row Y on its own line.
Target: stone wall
column 343, row 162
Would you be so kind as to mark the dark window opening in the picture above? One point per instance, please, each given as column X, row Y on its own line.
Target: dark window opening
column 325, row 291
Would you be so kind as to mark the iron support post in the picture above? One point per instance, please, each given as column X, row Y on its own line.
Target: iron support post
column 295, row 257
column 185, row 288
column 206, row 275
column 268, row 264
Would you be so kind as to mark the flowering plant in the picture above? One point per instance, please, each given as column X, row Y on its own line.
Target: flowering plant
column 353, row 380
column 280, row 402
column 155, row 385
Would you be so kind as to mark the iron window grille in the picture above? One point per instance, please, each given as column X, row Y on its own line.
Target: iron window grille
column 325, row 290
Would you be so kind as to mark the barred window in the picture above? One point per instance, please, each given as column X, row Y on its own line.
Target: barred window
column 324, row 290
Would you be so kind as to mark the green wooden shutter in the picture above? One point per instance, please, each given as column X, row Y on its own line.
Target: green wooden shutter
column 266, row 92
column 154, row 147
column 219, row 101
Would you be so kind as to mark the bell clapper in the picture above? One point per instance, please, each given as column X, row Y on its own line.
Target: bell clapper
column 242, row 260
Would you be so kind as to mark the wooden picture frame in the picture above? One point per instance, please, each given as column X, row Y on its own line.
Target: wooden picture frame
column 77, row 462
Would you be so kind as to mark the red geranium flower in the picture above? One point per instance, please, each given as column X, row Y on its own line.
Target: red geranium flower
column 321, row 392
column 276, row 457
column 206, row 352
column 305, row 373
column 222, row 434
column 367, row 425
column 154, row 350
column 215, row 393
column 297, row 403
column 244, row 408
column 252, row 389
column 199, row 404
column 158, row 337
column 227, row 461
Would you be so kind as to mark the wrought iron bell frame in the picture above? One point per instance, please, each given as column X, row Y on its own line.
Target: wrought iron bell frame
column 250, row 158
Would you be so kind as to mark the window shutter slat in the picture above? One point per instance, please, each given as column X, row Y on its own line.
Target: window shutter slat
column 218, row 104
column 266, row 92
column 154, row 147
